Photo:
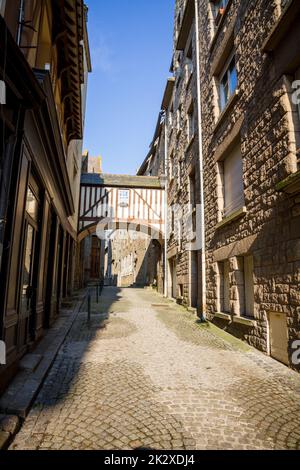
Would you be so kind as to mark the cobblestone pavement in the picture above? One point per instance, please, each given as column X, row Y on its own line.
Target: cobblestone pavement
column 143, row 373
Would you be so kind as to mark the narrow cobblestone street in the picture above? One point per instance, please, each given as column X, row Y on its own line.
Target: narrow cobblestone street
column 143, row 373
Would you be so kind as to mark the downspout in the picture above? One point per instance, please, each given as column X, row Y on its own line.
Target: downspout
column 20, row 22
column 166, row 207
column 201, row 177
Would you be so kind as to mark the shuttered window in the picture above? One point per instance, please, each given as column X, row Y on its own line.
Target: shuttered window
column 249, row 286
column 224, row 287
column 233, row 182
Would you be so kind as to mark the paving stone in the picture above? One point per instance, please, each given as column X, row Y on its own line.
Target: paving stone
column 154, row 378
column 4, row 438
column 9, row 423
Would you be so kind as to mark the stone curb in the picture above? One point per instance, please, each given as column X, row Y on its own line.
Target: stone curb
column 18, row 398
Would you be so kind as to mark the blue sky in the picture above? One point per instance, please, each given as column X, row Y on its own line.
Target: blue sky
column 131, row 49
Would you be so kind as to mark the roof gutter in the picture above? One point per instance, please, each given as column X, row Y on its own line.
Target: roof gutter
column 202, row 307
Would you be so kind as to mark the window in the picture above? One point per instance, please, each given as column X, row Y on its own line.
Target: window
column 2, row 7
column 244, row 284
column 171, row 166
column 218, row 9
column 32, row 205
column 171, row 219
column 190, row 124
column 192, row 189
column 170, row 118
column 189, row 64
column 179, row 118
column 178, row 21
column 228, row 82
column 231, row 176
column 192, row 202
column 123, row 198
column 223, row 287
column 179, row 175
column 297, row 101
column 297, row 89
column 249, row 286
column 188, row 71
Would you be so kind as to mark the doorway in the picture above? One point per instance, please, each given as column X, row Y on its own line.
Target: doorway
column 27, row 322
column 95, row 258
column 50, row 269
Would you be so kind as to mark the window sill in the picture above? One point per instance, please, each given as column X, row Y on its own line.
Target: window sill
column 290, row 185
column 223, row 316
column 232, row 217
column 219, row 27
column 232, row 101
column 247, row 321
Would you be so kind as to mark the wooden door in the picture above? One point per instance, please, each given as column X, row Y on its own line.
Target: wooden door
column 95, row 258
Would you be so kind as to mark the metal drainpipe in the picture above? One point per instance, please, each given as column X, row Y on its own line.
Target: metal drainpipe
column 202, row 217
column 20, row 23
column 166, row 205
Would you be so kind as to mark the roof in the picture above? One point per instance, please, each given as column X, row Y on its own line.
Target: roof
column 120, row 181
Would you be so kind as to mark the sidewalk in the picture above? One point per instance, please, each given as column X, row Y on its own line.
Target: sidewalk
column 16, row 401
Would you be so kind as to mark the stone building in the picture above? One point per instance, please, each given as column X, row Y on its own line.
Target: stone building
column 239, row 67
column 44, row 46
column 174, row 154
column 91, row 164
column 136, row 260
column 227, row 140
